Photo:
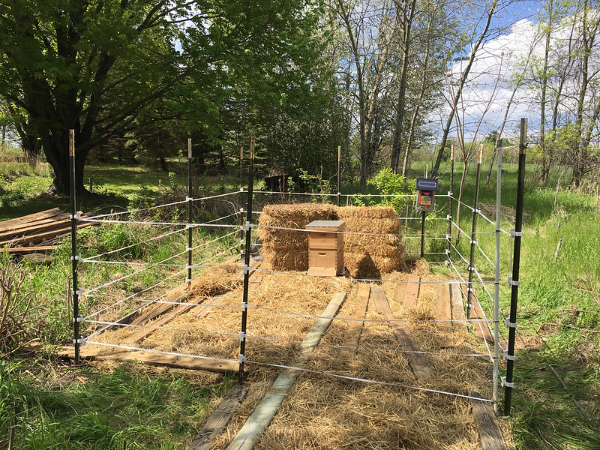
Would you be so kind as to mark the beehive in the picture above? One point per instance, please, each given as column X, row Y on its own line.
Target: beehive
column 326, row 247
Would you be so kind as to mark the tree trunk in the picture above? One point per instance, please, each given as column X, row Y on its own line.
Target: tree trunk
column 398, row 129
column 461, row 84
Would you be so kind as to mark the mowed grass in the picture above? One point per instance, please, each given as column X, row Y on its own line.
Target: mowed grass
column 24, row 189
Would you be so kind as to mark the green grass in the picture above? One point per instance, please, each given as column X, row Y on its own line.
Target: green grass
column 60, row 407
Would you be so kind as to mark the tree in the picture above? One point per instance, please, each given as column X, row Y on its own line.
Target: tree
column 482, row 34
column 91, row 66
column 105, row 67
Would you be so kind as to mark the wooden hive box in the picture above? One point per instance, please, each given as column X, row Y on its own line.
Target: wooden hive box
column 326, row 247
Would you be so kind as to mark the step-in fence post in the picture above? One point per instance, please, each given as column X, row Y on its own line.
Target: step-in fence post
column 496, row 313
column 248, row 232
column 450, row 205
column 474, row 235
column 190, row 214
column 514, row 278
column 339, row 176
column 74, row 257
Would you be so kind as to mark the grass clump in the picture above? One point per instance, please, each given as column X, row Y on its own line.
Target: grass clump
column 87, row 408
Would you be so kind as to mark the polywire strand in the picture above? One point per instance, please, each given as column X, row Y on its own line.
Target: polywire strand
column 154, row 265
column 193, row 266
column 364, row 380
column 137, row 210
column 459, row 253
column 349, row 319
column 237, row 213
column 162, row 352
column 481, row 328
column 132, row 274
column 460, row 229
column 372, row 280
column 482, row 215
column 136, row 244
column 136, row 294
column 172, row 224
column 476, row 320
column 483, row 284
column 271, row 339
column 204, row 244
column 270, row 227
column 210, row 197
column 484, row 255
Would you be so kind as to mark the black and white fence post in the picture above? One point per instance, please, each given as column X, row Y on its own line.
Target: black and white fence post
column 248, row 232
column 77, row 339
column 513, row 280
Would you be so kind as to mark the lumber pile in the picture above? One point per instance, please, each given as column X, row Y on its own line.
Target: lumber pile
column 372, row 243
column 33, row 233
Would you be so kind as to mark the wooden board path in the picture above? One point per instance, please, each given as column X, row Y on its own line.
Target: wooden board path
column 444, row 307
column 219, row 419
column 458, row 308
column 482, row 331
column 264, row 413
column 417, row 361
column 361, row 302
column 153, row 359
column 487, row 425
column 412, row 291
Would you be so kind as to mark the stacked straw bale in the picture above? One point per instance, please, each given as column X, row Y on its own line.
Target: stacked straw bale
column 377, row 248
column 288, row 249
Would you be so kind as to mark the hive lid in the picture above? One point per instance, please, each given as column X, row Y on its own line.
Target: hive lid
column 325, row 224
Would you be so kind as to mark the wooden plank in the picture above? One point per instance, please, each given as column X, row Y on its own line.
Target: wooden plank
column 30, row 218
column 400, row 292
column 264, row 413
column 458, row 309
column 482, row 330
column 40, row 237
column 219, row 419
column 417, row 361
column 23, row 250
column 443, row 307
column 412, row 291
column 154, row 359
column 487, row 425
column 350, row 343
column 35, row 229
column 180, row 309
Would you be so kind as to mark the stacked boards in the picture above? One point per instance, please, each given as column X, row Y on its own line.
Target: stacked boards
column 372, row 242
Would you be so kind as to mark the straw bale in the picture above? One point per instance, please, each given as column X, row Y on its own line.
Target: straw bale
column 291, row 216
column 288, row 249
column 292, row 257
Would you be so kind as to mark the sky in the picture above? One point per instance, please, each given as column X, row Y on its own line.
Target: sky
column 498, row 61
